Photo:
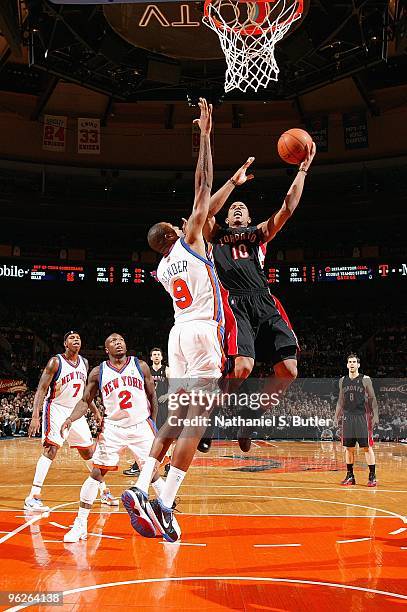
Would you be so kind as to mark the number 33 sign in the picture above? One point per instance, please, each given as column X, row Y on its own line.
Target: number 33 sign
column 89, row 136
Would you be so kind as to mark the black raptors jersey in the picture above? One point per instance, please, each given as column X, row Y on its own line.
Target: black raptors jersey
column 239, row 258
column 354, row 395
column 160, row 380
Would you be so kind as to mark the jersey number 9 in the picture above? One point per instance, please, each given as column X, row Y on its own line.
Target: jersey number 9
column 182, row 295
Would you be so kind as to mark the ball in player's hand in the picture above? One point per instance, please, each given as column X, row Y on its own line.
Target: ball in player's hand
column 292, row 146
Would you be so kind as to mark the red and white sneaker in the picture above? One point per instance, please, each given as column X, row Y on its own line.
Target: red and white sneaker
column 107, row 498
column 372, row 482
column 348, row 481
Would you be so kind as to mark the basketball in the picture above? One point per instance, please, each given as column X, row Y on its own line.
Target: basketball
column 292, row 146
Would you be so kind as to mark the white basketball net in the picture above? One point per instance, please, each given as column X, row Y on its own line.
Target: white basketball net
column 248, row 33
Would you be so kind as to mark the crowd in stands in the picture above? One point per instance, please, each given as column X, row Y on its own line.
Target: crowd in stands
column 16, row 411
column 327, row 329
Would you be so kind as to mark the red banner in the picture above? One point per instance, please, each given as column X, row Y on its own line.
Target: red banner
column 54, row 133
column 12, row 385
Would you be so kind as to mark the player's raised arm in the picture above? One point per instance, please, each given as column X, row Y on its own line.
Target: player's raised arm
column 84, row 404
column 275, row 223
column 149, row 388
column 203, row 177
column 339, row 404
column 367, row 381
column 46, row 377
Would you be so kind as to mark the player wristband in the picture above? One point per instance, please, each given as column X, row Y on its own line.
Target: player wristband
column 233, row 182
column 302, row 170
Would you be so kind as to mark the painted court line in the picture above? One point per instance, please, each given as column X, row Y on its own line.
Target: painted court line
column 343, row 516
column 274, row 545
column 18, row 529
column 312, row 499
column 350, row 541
column 53, row 541
column 182, row 543
column 32, row 521
column 257, row 486
column 398, row 531
column 335, row 585
column 58, row 525
column 109, row 537
column 98, row 535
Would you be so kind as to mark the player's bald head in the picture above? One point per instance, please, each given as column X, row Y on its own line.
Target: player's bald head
column 161, row 236
column 113, row 336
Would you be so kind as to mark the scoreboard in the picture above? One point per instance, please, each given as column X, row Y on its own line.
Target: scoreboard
column 43, row 272
column 113, row 274
column 332, row 273
column 117, row 275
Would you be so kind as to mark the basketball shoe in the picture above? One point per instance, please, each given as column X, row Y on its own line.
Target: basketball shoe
column 204, row 445
column 137, row 505
column 107, row 498
column 372, row 482
column 34, row 504
column 348, row 480
column 164, row 521
column 132, row 470
column 78, row 532
column 244, row 438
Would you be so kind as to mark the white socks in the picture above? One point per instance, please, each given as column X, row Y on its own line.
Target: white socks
column 89, row 491
column 172, row 484
column 158, row 486
column 146, row 474
column 41, row 471
column 102, row 485
column 83, row 514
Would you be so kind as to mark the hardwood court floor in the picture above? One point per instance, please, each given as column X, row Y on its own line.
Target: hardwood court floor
column 271, row 530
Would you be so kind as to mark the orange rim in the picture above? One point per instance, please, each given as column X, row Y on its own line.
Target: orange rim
column 254, row 30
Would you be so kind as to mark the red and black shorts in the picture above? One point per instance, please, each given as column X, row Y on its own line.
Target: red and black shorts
column 356, row 428
column 262, row 328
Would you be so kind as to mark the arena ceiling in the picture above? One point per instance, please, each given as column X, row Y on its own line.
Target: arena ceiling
column 94, row 46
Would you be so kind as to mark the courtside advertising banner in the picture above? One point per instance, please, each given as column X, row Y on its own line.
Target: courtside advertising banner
column 89, row 136
column 54, row 133
column 12, row 385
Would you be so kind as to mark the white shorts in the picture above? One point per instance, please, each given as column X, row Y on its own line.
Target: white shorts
column 113, row 439
column 53, row 417
column 195, row 351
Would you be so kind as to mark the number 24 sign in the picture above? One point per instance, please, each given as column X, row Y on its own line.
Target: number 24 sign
column 54, row 133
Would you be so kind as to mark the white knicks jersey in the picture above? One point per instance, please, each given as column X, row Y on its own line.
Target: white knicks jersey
column 192, row 282
column 68, row 383
column 123, row 393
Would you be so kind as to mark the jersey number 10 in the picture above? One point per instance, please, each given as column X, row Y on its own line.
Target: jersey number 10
column 240, row 252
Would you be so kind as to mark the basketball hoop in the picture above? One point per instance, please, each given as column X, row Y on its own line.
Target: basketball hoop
column 248, row 33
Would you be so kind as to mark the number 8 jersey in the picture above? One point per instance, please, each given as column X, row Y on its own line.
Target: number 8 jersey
column 192, row 282
column 123, row 393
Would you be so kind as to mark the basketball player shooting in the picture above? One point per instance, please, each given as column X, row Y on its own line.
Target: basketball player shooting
column 262, row 327
column 357, row 405
column 194, row 345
